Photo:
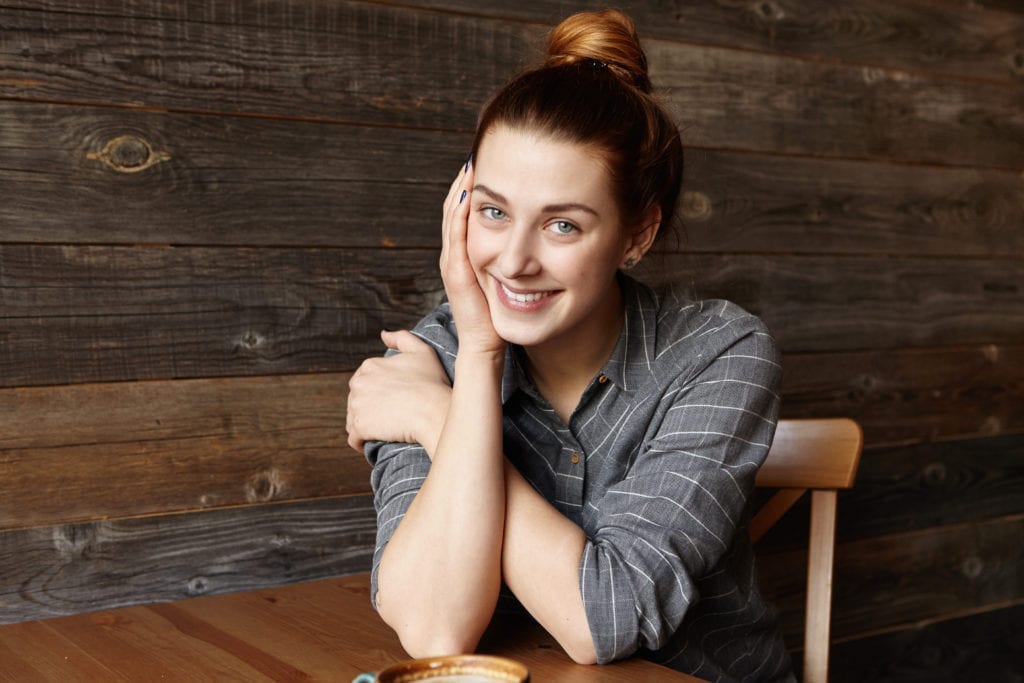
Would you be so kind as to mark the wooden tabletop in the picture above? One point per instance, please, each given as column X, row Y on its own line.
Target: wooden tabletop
column 321, row 631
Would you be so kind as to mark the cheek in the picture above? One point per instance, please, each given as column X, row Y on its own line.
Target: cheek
column 477, row 247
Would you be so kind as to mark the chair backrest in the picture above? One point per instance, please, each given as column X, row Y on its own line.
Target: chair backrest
column 821, row 455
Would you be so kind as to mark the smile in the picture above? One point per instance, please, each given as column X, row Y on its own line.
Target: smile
column 525, row 297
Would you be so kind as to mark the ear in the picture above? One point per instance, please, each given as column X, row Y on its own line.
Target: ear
column 643, row 235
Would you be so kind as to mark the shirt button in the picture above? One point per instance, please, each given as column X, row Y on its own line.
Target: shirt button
column 602, row 379
column 575, row 458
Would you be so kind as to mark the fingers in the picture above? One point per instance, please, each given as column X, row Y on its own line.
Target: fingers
column 456, row 214
column 402, row 340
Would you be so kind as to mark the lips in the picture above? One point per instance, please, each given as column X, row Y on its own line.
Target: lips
column 523, row 300
column 523, row 297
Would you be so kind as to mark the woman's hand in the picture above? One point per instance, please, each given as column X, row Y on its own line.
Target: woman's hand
column 469, row 305
column 403, row 397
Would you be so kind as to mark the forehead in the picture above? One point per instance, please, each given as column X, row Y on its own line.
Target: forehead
column 533, row 168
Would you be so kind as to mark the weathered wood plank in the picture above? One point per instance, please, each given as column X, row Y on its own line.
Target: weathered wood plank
column 916, row 487
column 141, row 177
column 179, row 445
column 372, row 63
column 826, row 109
column 172, row 446
column 934, row 484
column 80, row 314
column 314, row 184
column 978, row 41
column 984, row 647
column 50, row 571
column 769, row 204
column 900, row 579
column 911, row 394
column 71, row 314
column 835, row 303
column 983, row 40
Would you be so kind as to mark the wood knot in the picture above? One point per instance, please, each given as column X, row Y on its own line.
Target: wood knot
column 695, row 206
column 263, row 486
column 197, row 585
column 769, row 11
column 1017, row 63
column 129, row 154
column 972, row 566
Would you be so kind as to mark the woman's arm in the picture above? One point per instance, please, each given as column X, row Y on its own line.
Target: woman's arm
column 439, row 577
column 541, row 565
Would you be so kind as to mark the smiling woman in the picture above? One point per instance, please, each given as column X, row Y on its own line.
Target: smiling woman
column 558, row 437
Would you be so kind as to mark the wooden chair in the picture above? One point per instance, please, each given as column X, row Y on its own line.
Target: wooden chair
column 821, row 455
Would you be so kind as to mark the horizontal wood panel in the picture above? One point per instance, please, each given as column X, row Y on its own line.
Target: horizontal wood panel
column 371, row 63
column 910, row 488
column 193, row 444
column 981, row 647
column 162, row 178
column 51, row 571
column 834, row 303
column 911, row 394
column 81, row 314
column 85, row 314
column 900, row 579
column 825, row 109
column 172, row 446
column 978, row 42
column 982, row 42
column 141, row 177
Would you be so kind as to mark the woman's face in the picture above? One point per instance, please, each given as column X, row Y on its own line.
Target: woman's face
column 545, row 240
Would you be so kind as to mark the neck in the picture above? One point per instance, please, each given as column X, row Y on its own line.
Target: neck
column 561, row 368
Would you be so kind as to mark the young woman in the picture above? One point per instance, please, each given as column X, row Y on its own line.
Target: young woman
column 557, row 428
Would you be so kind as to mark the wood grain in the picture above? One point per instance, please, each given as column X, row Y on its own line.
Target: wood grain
column 926, row 485
column 80, row 314
column 220, row 179
column 316, row 631
column 172, row 446
column 895, row 581
column 318, row 184
column 724, row 98
column 65, row 569
column 983, row 647
column 911, row 394
column 983, row 42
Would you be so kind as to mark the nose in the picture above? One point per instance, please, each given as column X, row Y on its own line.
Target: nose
column 518, row 257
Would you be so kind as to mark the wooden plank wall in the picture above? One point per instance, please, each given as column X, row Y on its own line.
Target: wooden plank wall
column 208, row 210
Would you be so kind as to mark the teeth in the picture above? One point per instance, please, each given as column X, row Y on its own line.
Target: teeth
column 524, row 298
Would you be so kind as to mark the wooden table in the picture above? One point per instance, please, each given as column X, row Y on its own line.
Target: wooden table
column 321, row 631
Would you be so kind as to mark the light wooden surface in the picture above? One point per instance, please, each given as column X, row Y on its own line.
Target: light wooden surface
column 320, row 631
column 821, row 455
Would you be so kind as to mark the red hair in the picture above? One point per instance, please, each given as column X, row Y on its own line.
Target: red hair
column 594, row 90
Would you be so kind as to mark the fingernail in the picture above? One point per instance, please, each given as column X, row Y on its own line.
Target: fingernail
column 469, row 160
column 463, row 197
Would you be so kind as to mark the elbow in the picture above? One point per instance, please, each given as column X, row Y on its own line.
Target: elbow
column 434, row 642
column 587, row 658
column 581, row 649
column 422, row 638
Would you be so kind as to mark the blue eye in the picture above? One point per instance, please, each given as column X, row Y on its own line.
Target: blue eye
column 563, row 227
column 493, row 213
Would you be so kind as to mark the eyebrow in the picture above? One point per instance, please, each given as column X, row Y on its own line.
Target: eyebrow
column 550, row 208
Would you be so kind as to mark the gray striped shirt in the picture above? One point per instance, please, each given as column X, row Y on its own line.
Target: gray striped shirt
column 656, row 466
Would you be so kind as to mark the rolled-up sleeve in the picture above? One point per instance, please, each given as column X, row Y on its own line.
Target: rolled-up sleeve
column 400, row 468
column 675, row 515
column 398, row 473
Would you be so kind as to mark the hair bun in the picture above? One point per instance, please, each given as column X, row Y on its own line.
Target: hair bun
column 605, row 39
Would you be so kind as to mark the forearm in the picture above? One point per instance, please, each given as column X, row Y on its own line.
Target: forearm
column 540, row 564
column 440, row 574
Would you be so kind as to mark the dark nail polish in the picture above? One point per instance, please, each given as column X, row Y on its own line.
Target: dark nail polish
column 463, row 197
column 469, row 161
